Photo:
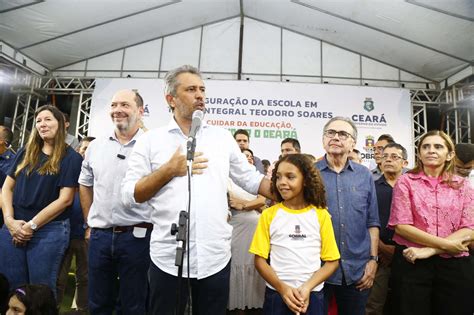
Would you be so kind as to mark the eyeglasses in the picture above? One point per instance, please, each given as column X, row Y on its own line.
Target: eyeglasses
column 393, row 157
column 331, row 133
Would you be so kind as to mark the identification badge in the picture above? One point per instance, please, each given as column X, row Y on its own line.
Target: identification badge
column 139, row 232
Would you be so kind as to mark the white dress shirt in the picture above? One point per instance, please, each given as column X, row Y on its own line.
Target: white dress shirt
column 210, row 234
column 103, row 169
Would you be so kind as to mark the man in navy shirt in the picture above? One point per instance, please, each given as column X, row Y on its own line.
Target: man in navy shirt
column 352, row 203
column 393, row 160
column 7, row 156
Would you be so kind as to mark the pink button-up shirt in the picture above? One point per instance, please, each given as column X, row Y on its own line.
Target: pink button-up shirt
column 437, row 209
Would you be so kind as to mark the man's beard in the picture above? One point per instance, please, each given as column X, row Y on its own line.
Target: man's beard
column 123, row 126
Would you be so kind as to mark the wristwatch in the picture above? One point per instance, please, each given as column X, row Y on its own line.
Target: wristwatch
column 85, row 226
column 376, row 258
column 33, row 225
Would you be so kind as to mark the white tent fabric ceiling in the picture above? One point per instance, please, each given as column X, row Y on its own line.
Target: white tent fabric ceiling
column 431, row 39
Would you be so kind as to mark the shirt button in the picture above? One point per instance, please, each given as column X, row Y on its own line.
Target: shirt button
column 342, row 224
column 342, row 243
column 340, row 207
column 339, row 190
column 343, row 260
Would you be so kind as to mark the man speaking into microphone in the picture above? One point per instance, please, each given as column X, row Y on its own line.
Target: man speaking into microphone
column 157, row 175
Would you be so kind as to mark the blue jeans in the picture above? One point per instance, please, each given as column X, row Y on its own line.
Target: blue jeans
column 123, row 256
column 274, row 304
column 209, row 295
column 39, row 260
column 349, row 300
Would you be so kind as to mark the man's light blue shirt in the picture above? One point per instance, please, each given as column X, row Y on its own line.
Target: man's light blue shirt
column 352, row 203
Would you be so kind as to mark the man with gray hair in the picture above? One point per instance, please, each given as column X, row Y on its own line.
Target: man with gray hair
column 352, row 203
column 156, row 175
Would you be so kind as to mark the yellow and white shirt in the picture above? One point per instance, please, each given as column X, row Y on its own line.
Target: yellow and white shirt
column 297, row 241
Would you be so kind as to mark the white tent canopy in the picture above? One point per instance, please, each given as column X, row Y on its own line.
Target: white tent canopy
column 314, row 40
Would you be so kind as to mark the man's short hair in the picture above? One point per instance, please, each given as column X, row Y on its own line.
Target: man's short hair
column 6, row 134
column 356, row 151
column 386, row 137
column 464, row 152
column 242, row 132
column 398, row 147
column 171, row 78
column 138, row 98
column 266, row 162
column 347, row 120
column 295, row 143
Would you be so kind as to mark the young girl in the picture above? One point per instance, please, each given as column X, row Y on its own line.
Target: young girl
column 298, row 234
column 32, row 299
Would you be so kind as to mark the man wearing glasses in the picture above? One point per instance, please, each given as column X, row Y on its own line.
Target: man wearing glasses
column 352, row 203
column 382, row 141
column 394, row 159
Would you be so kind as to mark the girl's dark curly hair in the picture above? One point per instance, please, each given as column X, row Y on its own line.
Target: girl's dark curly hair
column 313, row 187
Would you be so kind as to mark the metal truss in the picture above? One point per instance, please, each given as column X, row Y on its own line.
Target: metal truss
column 428, row 97
column 74, row 86
column 83, row 87
column 26, row 105
column 420, row 101
column 30, row 91
column 458, row 117
column 457, row 126
column 83, row 117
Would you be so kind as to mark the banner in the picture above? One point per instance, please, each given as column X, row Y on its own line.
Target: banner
column 273, row 111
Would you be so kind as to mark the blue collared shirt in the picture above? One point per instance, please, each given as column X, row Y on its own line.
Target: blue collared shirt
column 6, row 160
column 352, row 202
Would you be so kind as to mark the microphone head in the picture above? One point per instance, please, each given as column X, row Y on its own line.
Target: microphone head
column 199, row 114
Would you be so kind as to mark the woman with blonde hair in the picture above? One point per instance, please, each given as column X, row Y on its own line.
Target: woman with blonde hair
column 39, row 188
column 433, row 217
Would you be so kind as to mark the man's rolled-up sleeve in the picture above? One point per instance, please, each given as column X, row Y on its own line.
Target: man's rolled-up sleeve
column 373, row 209
column 139, row 166
column 86, row 178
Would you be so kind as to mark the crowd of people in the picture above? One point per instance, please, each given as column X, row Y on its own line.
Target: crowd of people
column 301, row 235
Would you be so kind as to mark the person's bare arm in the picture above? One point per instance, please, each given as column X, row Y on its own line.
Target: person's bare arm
column 290, row 296
column 86, row 196
column 367, row 279
column 246, row 205
column 413, row 253
column 453, row 245
column 317, row 278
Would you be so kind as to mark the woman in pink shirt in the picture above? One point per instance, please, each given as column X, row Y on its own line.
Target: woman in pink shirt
column 433, row 217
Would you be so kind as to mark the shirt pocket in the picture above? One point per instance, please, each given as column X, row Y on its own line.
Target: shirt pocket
column 359, row 198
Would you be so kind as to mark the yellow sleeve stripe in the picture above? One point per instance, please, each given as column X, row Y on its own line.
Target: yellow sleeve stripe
column 261, row 239
column 329, row 250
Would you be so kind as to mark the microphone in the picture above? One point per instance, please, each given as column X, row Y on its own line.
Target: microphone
column 198, row 115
